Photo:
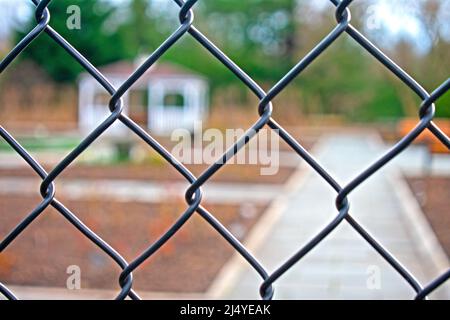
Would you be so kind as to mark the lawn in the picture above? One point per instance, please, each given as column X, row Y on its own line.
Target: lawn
column 42, row 144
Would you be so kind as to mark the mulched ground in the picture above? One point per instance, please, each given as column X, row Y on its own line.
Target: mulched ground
column 160, row 172
column 433, row 194
column 187, row 263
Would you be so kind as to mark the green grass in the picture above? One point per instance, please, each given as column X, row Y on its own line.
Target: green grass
column 43, row 143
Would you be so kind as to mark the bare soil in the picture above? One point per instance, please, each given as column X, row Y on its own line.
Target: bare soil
column 189, row 262
column 433, row 194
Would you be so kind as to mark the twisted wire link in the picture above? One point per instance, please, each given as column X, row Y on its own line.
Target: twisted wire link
column 193, row 194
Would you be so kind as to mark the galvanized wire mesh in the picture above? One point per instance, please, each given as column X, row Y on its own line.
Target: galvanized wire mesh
column 193, row 194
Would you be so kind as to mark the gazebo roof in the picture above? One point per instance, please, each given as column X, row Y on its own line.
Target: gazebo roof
column 123, row 69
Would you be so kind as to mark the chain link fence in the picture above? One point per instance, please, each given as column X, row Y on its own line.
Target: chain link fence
column 193, row 195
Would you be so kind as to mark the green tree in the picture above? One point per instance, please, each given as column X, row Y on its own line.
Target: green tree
column 257, row 35
column 96, row 39
column 147, row 24
column 260, row 35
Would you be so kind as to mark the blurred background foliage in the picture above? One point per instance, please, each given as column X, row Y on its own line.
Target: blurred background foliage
column 266, row 38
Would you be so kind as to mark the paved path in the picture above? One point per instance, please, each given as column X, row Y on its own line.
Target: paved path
column 151, row 192
column 340, row 266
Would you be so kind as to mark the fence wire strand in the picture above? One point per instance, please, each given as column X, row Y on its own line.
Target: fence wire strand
column 193, row 195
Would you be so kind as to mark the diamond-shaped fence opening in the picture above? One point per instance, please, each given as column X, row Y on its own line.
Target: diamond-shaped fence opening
column 193, row 195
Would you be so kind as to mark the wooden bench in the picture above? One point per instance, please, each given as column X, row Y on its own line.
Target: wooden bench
column 434, row 145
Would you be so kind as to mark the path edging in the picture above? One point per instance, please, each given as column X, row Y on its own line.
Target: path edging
column 231, row 271
column 426, row 241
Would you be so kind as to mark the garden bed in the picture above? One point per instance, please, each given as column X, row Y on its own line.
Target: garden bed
column 433, row 194
column 160, row 171
column 187, row 263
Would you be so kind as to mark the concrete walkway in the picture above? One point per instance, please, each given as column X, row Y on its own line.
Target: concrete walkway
column 150, row 192
column 344, row 266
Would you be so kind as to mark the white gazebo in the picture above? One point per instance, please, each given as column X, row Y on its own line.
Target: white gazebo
column 165, row 98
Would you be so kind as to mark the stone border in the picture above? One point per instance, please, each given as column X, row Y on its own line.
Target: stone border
column 425, row 239
column 415, row 217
